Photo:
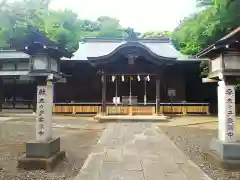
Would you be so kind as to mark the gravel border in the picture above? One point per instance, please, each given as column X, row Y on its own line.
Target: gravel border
column 194, row 142
column 77, row 143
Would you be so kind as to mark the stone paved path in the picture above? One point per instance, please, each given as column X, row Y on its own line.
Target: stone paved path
column 3, row 119
column 137, row 151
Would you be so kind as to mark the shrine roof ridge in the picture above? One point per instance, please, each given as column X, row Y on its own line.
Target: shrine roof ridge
column 129, row 39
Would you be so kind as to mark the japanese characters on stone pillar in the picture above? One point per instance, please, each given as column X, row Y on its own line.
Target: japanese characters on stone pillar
column 231, row 119
column 44, row 112
column 226, row 112
column 44, row 67
column 224, row 66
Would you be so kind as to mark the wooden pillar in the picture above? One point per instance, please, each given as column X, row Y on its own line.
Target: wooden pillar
column 14, row 93
column 1, row 94
column 157, row 94
column 104, row 87
column 34, row 102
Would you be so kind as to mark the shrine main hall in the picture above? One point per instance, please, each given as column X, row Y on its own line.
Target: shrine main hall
column 113, row 76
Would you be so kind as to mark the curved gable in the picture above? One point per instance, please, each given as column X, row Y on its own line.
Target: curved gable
column 130, row 48
column 97, row 47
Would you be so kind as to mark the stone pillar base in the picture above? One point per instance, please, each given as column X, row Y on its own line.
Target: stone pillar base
column 224, row 154
column 41, row 155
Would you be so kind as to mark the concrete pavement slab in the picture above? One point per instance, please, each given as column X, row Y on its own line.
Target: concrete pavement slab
column 138, row 151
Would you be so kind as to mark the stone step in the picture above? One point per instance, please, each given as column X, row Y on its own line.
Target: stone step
column 131, row 118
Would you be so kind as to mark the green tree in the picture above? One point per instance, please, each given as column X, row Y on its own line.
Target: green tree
column 205, row 3
column 109, row 27
column 130, row 32
column 59, row 26
column 205, row 27
column 154, row 34
column 63, row 26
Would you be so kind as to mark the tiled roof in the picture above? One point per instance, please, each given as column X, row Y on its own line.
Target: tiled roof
column 95, row 47
column 13, row 54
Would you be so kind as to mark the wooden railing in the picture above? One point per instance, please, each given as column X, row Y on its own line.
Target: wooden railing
column 184, row 108
column 140, row 109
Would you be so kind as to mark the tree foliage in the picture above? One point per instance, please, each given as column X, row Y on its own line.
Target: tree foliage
column 109, row 27
column 59, row 26
column 204, row 3
column 155, row 34
column 130, row 32
column 216, row 19
column 63, row 26
column 197, row 31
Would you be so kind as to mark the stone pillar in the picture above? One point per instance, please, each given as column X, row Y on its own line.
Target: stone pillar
column 226, row 148
column 226, row 113
column 44, row 112
column 44, row 152
column 157, row 94
column 104, row 87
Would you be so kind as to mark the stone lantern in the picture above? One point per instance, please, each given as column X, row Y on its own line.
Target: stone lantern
column 44, row 66
column 224, row 66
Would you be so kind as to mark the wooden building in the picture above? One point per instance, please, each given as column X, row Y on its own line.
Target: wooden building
column 114, row 76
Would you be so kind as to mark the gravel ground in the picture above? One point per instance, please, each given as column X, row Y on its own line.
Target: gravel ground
column 194, row 142
column 76, row 142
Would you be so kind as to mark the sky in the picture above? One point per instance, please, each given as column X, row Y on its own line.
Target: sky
column 142, row 15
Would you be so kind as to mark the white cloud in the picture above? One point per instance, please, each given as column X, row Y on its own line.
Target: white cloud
column 142, row 15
